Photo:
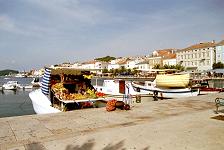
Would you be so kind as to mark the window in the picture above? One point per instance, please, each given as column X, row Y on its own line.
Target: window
column 208, row 62
column 195, row 63
column 207, row 54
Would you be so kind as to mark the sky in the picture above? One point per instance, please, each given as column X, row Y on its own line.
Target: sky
column 36, row 33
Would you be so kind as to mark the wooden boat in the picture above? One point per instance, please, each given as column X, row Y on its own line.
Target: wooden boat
column 173, row 80
column 203, row 85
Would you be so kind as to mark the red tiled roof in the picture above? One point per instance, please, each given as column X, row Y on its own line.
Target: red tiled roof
column 199, row 46
column 89, row 62
column 167, row 53
column 220, row 43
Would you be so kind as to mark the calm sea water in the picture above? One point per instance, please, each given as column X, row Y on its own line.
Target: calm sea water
column 17, row 103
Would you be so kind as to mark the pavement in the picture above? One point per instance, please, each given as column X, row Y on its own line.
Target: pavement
column 184, row 123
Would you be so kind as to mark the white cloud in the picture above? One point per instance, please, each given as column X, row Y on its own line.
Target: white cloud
column 6, row 23
column 10, row 25
column 70, row 9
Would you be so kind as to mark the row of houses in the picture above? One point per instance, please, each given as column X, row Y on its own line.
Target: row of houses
column 197, row 57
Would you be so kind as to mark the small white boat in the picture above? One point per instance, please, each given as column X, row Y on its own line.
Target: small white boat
column 36, row 82
column 1, row 88
column 10, row 85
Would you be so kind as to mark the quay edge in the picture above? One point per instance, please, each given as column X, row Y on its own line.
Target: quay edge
column 165, row 124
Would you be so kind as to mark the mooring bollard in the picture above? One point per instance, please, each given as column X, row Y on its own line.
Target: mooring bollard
column 138, row 98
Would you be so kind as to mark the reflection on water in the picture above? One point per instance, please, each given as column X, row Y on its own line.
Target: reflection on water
column 15, row 102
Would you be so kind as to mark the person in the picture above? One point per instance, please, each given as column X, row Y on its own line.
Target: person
column 155, row 95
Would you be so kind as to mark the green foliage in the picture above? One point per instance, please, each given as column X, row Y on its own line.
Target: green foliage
column 157, row 66
column 106, row 58
column 105, row 70
column 8, row 72
column 218, row 65
column 178, row 67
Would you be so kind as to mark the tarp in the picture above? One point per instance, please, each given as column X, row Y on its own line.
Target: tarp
column 46, row 81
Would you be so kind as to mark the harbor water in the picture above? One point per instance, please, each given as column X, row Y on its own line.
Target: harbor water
column 15, row 102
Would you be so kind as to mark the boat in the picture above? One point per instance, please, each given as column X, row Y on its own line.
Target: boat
column 64, row 89
column 164, row 92
column 25, row 86
column 173, row 80
column 10, row 85
column 21, row 75
column 203, row 85
column 118, row 87
column 36, row 82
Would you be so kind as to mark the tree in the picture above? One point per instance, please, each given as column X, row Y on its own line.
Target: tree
column 156, row 66
column 105, row 70
column 179, row 67
column 106, row 58
column 218, row 65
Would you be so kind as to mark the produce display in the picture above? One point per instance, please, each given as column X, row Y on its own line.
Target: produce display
column 111, row 105
column 62, row 93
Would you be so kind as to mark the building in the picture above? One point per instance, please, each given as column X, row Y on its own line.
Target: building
column 220, row 52
column 143, row 66
column 162, row 57
column 117, row 63
column 198, row 57
column 94, row 65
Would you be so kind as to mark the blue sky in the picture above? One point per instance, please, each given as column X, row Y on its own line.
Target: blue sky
column 35, row 33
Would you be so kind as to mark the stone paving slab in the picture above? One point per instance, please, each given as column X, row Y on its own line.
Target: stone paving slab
column 166, row 124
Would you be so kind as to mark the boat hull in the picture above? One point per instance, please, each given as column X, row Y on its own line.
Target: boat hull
column 41, row 103
column 112, row 87
column 168, row 93
column 172, row 80
column 9, row 87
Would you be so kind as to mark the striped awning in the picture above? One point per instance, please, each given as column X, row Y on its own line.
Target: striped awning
column 46, row 81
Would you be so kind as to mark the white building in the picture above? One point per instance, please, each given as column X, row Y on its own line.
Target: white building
column 220, row 52
column 132, row 63
column 113, row 65
column 143, row 66
column 117, row 63
column 162, row 57
column 198, row 57
column 96, row 66
column 170, row 61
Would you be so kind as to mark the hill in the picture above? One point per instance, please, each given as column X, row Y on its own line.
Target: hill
column 8, row 72
column 106, row 58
